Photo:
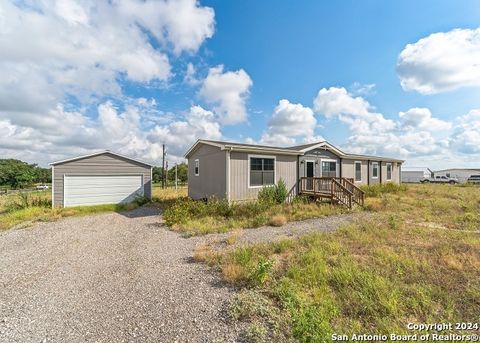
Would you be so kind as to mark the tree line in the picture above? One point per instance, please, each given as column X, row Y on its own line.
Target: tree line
column 18, row 174
column 182, row 174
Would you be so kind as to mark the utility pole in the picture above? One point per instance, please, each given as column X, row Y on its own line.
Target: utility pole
column 163, row 166
column 176, row 178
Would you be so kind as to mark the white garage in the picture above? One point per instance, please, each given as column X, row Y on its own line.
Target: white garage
column 102, row 189
column 101, row 178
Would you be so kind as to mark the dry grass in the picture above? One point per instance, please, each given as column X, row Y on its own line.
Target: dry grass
column 169, row 193
column 278, row 220
column 199, row 218
column 204, row 253
column 234, row 236
column 377, row 275
column 37, row 207
column 7, row 200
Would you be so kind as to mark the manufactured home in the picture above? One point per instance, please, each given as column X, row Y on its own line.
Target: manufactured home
column 237, row 172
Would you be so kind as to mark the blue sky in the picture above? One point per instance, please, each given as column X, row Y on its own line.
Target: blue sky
column 116, row 77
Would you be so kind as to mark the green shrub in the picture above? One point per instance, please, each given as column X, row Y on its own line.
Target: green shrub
column 275, row 194
column 266, row 196
column 281, row 192
column 141, row 200
column 179, row 212
column 382, row 188
column 185, row 209
column 261, row 272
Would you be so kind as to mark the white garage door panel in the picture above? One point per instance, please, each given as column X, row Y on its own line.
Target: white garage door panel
column 97, row 190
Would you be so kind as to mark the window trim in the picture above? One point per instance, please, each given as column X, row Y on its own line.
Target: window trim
column 249, row 157
column 355, row 171
column 391, row 171
column 195, row 171
column 328, row 160
column 374, row 164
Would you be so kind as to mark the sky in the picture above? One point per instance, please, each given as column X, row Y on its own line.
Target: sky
column 398, row 79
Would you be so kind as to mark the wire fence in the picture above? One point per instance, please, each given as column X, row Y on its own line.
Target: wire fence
column 9, row 191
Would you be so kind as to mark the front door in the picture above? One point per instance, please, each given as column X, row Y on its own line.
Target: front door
column 310, row 172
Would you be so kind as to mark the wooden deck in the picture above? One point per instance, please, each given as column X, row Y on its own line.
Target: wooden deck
column 338, row 190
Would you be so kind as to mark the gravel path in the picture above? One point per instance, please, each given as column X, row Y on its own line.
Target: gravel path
column 289, row 230
column 108, row 278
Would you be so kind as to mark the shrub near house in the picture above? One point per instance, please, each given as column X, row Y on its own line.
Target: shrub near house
column 198, row 217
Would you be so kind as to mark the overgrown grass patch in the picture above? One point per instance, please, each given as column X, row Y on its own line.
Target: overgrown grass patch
column 382, row 188
column 37, row 206
column 198, row 217
column 372, row 276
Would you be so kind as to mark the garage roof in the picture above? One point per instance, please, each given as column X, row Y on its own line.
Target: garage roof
column 100, row 153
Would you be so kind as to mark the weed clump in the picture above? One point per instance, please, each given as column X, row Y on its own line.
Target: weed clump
column 378, row 189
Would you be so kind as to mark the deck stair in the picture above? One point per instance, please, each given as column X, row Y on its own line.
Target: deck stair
column 339, row 190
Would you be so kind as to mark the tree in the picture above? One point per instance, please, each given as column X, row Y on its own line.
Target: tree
column 19, row 174
column 182, row 173
column 43, row 175
column 15, row 173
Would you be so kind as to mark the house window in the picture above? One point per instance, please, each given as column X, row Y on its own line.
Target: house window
column 375, row 170
column 358, row 171
column 329, row 169
column 262, row 171
column 389, row 171
column 197, row 167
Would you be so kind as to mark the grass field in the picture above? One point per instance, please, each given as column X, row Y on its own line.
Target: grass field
column 416, row 260
column 18, row 209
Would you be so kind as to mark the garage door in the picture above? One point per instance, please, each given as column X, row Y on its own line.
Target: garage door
column 96, row 190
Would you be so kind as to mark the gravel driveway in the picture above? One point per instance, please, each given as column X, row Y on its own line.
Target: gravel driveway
column 293, row 229
column 108, row 278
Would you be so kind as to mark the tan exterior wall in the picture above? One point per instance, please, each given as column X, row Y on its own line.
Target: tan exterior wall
column 211, row 181
column 285, row 168
column 317, row 156
column 105, row 164
column 395, row 172
column 348, row 170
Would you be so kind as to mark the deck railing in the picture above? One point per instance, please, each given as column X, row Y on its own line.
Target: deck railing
column 339, row 189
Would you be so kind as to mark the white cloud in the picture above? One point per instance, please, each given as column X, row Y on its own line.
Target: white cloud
column 68, row 133
column 189, row 77
column 61, row 58
column 182, row 23
column 441, row 62
column 334, row 101
column 417, row 133
column 180, row 135
column 288, row 123
column 466, row 136
column 356, row 112
column 358, row 88
column 421, row 118
column 228, row 91
column 83, row 48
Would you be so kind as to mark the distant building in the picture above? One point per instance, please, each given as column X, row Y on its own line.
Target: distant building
column 415, row 174
column 462, row 174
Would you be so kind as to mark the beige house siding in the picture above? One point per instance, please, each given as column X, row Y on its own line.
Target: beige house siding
column 211, row 181
column 285, row 168
column 317, row 156
column 348, row 170
column 105, row 164
column 395, row 172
